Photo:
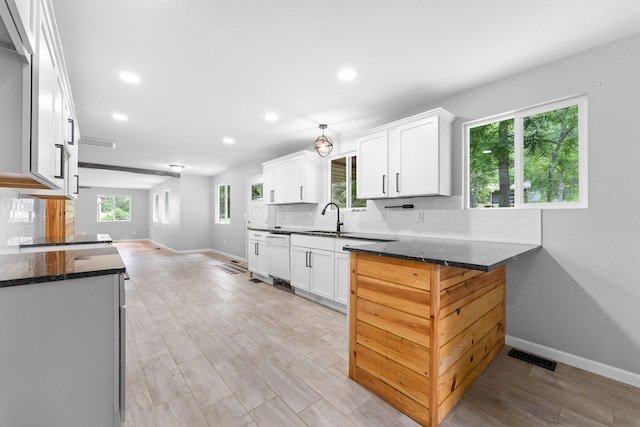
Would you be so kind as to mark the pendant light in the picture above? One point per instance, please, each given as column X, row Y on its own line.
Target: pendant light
column 323, row 144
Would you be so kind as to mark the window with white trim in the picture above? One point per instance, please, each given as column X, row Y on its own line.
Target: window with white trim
column 342, row 179
column 531, row 158
column 223, row 205
column 114, row 208
column 165, row 210
column 156, row 207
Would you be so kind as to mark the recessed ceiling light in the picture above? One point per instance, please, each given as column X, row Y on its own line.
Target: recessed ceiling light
column 228, row 140
column 347, row 74
column 129, row 77
column 272, row 117
column 176, row 168
column 120, row 117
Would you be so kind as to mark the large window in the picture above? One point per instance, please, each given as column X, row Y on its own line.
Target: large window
column 343, row 183
column 114, row 208
column 532, row 158
column 223, row 205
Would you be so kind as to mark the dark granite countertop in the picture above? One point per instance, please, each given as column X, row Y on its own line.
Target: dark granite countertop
column 40, row 267
column 62, row 241
column 327, row 233
column 474, row 255
column 484, row 256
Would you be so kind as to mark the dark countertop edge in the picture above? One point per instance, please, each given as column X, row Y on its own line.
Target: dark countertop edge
column 480, row 267
column 59, row 277
column 78, row 240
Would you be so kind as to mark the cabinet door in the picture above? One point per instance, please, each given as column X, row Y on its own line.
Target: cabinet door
column 372, row 179
column 321, row 273
column 300, row 274
column 294, row 183
column 252, row 257
column 46, row 92
column 342, row 279
column 268, row 189
column 263, row 260
column 279, row 183
column 414, row 158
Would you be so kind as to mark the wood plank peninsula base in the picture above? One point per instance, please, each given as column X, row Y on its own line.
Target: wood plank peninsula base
column 421, row 333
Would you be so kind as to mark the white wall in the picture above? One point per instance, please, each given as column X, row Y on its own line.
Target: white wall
column 232, row 238
column 195, row 212
column 166, row 231
column 86, row 214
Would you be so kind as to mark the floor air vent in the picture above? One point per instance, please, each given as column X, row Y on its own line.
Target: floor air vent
column 534, row 360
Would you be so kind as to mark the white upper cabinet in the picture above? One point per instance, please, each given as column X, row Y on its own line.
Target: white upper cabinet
column 296, row 178
column 372, row 176
column 406, row 158
column 41, row 140
column 25, row 18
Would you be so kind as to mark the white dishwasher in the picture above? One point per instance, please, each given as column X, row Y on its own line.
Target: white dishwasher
column 278, row 255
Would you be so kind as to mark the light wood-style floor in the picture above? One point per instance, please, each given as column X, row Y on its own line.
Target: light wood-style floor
column 208, row 348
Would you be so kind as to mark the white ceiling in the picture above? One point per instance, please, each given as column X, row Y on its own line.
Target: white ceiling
column 212, row 69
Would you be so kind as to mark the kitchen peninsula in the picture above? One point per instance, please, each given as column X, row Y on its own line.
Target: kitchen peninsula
column 426, row 318
column 62, row 330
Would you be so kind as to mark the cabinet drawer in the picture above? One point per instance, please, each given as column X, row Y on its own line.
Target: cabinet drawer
column 315, row 242
column 258, row 236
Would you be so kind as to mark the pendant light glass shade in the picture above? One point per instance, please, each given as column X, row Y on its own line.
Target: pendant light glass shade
column 323, row 144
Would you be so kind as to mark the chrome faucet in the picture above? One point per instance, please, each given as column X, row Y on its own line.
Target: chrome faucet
column 338, row 223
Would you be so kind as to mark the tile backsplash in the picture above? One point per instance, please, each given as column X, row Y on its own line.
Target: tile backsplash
column 21, row 218
column 429, row 218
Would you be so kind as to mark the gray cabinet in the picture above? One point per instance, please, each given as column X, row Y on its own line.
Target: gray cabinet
column 62, row 358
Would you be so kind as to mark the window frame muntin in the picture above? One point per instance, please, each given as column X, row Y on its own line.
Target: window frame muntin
column 349, row 176
column 518, row 117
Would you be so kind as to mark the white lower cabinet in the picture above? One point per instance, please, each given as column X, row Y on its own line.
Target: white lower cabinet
column 312, row 264
column 257, row 253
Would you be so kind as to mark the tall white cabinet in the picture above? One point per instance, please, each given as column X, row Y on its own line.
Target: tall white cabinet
column 37, row 117
column 407, row 158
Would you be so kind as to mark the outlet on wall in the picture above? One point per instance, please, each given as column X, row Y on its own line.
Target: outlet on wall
column 420, row 216
column 383, row 215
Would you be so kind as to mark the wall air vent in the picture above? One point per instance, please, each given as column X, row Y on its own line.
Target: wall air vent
column 95, row 142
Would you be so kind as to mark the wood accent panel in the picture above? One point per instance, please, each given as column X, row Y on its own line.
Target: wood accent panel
column 403, row 272
column 450, row 352
column 405, row 325
column 403, row 351
column 421, row 350
column 456, row 322
column 451, row 276
column 403, row 379
column 450, row 380
column 403, row 298
column 410, row 407
column 470, row 289
column 60, row 220
column 449, row 403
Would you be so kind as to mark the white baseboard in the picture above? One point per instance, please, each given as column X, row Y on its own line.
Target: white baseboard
column 608, row 371
column 237, row 258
